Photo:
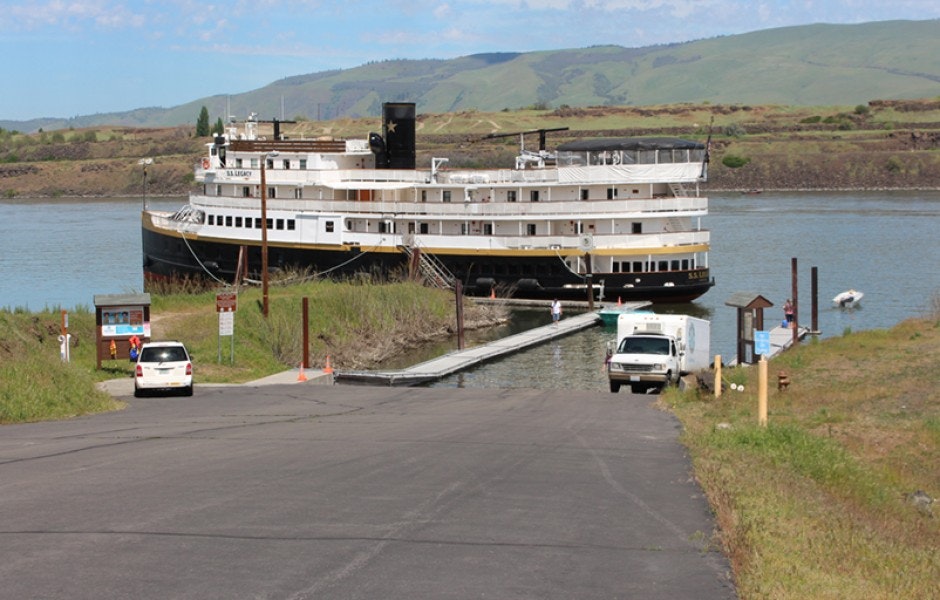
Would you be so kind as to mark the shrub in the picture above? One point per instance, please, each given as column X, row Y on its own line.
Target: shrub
column 733, row 162
column 810, row 120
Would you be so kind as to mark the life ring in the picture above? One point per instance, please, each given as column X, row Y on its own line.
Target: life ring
column 205, row 163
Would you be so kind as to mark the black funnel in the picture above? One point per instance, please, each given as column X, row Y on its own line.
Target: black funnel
column 398, row 128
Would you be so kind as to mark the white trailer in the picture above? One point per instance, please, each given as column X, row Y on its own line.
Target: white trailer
column 653, row 351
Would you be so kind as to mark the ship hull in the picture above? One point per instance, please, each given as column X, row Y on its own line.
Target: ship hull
column 167, row 256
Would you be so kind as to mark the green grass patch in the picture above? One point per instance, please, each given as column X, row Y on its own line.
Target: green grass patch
column 35, row 384
column 357, row 324
column 819, row 503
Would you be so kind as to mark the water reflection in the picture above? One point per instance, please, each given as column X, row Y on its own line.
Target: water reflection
column 520, row 320
column 574, row 362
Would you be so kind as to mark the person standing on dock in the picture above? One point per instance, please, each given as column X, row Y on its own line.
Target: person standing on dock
column 556, row 311
column 788, row 312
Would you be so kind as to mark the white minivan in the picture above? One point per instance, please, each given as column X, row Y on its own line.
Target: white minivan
column 163, row 366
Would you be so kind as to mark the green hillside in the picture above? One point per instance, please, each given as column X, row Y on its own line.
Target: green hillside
column 882, row 144
column 804, row 65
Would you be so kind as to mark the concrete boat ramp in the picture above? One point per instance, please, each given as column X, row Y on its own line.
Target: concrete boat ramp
column 452, row 362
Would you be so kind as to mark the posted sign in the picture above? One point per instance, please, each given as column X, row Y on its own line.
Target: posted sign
column 226, row 302
column 762, row 343
column 226, row 323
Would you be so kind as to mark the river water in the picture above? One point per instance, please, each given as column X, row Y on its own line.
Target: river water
column 60, row 253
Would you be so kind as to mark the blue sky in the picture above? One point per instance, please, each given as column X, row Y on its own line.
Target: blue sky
column 65, row 58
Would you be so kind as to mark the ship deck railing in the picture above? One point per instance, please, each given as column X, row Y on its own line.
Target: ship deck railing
column 583, row 176
column 621, row 208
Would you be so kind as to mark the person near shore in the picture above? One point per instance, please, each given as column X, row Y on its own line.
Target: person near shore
column 556, row 311
column 788, row 312
column 135, row 344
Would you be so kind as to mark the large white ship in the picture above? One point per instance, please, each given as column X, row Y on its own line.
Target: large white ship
column 619, row 216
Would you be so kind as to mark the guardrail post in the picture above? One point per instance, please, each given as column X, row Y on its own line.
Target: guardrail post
column 717, row 376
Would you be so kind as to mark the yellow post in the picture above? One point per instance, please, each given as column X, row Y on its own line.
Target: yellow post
column 762, row 392
column 717, row 376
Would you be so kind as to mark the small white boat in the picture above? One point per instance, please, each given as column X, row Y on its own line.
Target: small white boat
column 848, row 298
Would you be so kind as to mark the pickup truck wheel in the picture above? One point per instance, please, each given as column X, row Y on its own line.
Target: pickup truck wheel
column 614, row 386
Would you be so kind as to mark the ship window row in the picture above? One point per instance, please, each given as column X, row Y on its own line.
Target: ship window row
column 642, row 266
column 447, row 196
column 530, row 229
column 557, row 269
column 251, row 223
column 286, row 164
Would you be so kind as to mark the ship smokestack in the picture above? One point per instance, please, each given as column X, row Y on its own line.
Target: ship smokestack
column 398, row 129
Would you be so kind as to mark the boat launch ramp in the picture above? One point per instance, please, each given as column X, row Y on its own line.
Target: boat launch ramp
column 452, row 362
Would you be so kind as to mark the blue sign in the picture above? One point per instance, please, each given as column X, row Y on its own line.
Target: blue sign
column 762, row 342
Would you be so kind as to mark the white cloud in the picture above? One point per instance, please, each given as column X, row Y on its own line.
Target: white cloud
column 74, row 16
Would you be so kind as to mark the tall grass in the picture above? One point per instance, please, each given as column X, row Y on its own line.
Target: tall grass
column 34, row 382
column 355, row 323
column 819, row 503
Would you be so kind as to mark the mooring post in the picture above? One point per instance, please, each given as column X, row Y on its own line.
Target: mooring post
column 590, row 281
column 814, row 292
column 796, row 303
column 458, row 293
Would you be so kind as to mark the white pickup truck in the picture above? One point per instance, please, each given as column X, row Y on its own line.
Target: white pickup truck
column 653, row 351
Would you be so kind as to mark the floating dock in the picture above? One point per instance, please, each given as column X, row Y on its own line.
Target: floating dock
column 781, row 338
column 452, row 362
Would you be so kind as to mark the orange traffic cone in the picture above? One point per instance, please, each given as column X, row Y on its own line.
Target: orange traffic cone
column 619, row 303
column 492, row 293
column 327, row 368
column 301, row 376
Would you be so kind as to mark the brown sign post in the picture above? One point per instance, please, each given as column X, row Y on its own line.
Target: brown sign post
column 226, row 303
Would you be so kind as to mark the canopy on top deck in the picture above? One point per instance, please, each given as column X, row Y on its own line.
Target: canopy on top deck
column 630, row 143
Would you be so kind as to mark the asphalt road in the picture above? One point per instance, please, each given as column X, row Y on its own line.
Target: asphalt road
column 311, row 491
